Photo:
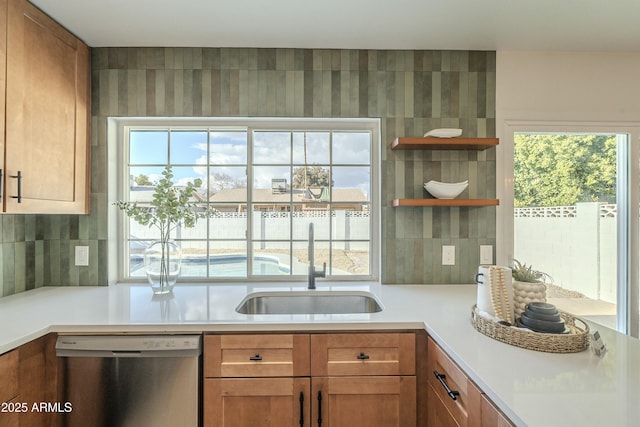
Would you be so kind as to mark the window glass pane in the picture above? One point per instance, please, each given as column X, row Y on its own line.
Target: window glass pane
column 349, row 258
column 142, row 182
column 351, row 148
column 228, row 184
column 228, row 148
column 194, row 258
column 565, row 218
column 320, row 219
column 351, row 222
column 311, row 177
column 136, row 257
column 272, row 184
column 351, row 184
column 148, row 147
column 271, row 222
column 228, row 224
column 271, row 147
column 228, row 259
column 188, row 147
column 271, row 259
column 321, row 255
column 311, row 148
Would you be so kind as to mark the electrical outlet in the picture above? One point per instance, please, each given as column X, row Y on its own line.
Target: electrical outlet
column 82, row 256
column 448, row 255
column 486, row 254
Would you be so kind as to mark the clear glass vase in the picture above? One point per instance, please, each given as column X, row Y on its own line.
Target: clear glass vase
column 162, row 261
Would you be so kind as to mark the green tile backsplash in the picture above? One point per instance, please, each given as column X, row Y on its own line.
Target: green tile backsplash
column 411, row 91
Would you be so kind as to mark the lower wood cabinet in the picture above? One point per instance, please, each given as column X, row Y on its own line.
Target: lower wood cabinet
column 453, row 400
column 29, row 376
column 265, row 402
column 357, row 379
column 364, row 401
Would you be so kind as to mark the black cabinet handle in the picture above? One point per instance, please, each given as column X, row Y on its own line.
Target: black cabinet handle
column 1, row 185
column 452, row 393
column 362, row 356
column 301, row 409
column 256, row 357
column 319, row 408
column 19, row 178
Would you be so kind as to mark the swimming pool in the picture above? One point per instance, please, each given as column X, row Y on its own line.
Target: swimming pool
column 227, row 265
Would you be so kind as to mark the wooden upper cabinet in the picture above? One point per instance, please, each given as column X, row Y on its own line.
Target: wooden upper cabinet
column 47, row 115
column 3, row 80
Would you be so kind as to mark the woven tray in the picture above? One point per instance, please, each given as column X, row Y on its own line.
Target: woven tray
column 576, row 340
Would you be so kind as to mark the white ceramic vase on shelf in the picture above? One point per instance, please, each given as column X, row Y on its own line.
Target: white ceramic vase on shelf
column 162, row 261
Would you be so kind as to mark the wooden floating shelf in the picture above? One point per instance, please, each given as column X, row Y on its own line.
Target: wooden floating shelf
column 431, row 143
column 444, row 202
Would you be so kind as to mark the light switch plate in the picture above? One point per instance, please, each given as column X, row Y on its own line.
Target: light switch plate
column 448, row 255
column 486, row 254
column 82, row 256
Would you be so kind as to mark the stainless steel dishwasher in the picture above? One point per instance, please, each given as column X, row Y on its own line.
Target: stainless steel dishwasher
column 125, row 380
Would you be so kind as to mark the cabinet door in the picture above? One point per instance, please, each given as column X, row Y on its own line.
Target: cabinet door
column 437, row 413
column 491, row 416
column 464, row 401
column 251, row 402
column 9, row 375
column 3, row 85
column 47, row 117
column 364, row 401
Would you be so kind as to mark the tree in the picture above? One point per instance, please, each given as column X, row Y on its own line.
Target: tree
column 316, row 176
column 561, row 170
column 142, row 179
column 197, row 183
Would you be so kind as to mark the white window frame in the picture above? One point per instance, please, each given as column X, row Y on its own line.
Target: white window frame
column 628, row 302
column 117, row 153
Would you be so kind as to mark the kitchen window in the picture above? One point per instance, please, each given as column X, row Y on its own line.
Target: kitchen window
column 266, row 180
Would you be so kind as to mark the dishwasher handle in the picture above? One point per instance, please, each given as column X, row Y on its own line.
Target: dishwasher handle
column 127, row 354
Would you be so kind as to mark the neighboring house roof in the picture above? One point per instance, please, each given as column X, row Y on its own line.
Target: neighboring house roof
column 144, row 194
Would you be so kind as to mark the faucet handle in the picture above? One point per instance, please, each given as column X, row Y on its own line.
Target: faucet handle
column 324, row 270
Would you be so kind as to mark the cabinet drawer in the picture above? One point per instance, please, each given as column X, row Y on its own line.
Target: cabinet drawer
column 8, row 376
column 263, row 402
column 465, row 409
column 256, row 355
column 363, row 354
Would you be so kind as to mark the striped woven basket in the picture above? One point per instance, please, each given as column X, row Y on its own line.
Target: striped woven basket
column 576, row 340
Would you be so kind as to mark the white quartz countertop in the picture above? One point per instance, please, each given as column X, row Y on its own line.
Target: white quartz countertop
column 532, row 388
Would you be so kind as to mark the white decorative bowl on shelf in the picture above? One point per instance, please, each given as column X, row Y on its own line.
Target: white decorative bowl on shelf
column 445, row 190
column 444, row 133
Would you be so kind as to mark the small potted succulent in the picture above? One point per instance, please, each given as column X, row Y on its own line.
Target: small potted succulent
column 170, row 207
column 528, row 286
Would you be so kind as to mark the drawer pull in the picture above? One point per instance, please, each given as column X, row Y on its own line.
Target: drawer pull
column 301, row 409
column 319, row 408
column 452, row 393
column 257, row 357
column 362, row 356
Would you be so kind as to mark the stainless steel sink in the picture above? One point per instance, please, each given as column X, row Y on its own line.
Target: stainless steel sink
column 309, row 302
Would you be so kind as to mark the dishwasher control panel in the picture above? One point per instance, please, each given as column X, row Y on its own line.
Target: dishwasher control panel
column 128, row 345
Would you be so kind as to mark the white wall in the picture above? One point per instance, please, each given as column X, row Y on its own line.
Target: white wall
column 571, row 91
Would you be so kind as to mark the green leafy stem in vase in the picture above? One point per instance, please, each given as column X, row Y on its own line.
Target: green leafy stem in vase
column 170, row 207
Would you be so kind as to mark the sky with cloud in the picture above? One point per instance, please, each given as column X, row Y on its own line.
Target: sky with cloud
column 226, row 151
